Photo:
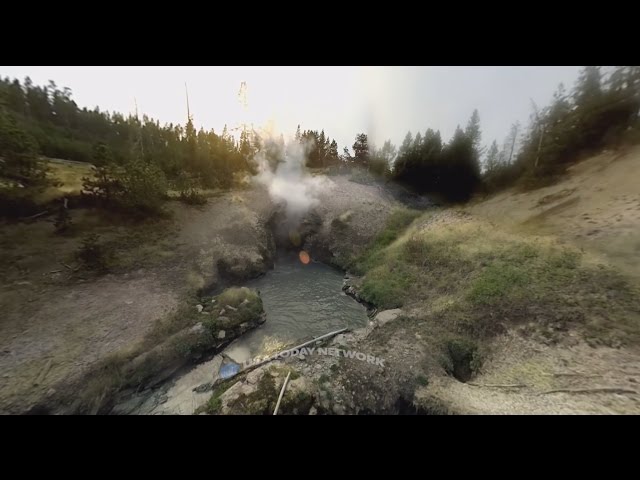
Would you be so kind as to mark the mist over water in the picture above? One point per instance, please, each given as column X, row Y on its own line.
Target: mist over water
column 288, row 181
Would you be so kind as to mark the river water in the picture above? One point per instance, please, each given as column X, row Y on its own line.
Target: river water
column 302, row 301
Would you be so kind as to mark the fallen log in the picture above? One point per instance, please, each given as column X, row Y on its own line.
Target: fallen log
column 591, row 390
column 33, row 217
column 279, row 354
column 489, row 385
column 284, row 386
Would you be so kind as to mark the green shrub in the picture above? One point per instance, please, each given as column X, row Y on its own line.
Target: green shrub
column 192, row 196
column 144, row 186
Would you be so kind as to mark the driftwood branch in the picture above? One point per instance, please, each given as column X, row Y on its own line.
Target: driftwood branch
column 69, row 268
column 571, row 374
column 489, row 385
column 279, row 354
column 284, row 387
column 591, row 390
column 33, row 217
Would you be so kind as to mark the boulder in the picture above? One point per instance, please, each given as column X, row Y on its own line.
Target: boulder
column 387, row 316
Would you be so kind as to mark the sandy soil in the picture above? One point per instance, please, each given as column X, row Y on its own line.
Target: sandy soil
column 53, row 328
column 524, row 377
column 597, row 207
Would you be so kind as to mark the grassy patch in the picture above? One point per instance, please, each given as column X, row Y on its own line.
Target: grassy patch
column 497, row 282
column 397, row 223
column 492, row 279
column 67, row 177
column 214, row 404
column 388, row 285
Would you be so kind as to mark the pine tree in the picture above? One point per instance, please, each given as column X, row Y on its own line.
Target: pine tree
column 361, row 150
column 20, row 160
column 492, row 161
column 510, row 143
column 334, row 156
column 474, row 133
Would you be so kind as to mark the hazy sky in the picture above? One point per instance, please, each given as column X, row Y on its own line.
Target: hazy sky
column 386, row 102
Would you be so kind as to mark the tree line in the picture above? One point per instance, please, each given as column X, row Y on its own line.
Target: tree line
column 51, row 124
column 601, row 110
column 137, row 159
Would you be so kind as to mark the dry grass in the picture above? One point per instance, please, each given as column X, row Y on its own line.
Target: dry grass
column 67, row 176
column 492, row 279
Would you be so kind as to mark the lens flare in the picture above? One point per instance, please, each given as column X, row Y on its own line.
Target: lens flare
column 304, row 257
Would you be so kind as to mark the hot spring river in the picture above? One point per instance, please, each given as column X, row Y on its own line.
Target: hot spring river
column 301, row 302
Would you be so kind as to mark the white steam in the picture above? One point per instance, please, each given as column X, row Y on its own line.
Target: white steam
column 282, row 170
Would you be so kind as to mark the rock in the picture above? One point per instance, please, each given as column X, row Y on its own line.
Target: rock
column 222, row 312
column 387, row 316
column 313, row 411
column 301, row 357
column 213, row 300
column 244, row 302
column 340, row 340
column 205, row 312
column 129, row 405
column 338, row 409
column 197, row 328
column 205, row 387
column 199, row 308
column 234, row 309
column 254, row 376
column 221, row 334
column 225, row 321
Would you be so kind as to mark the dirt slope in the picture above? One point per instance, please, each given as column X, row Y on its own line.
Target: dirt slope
column 53, row 329
column 596, row 207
